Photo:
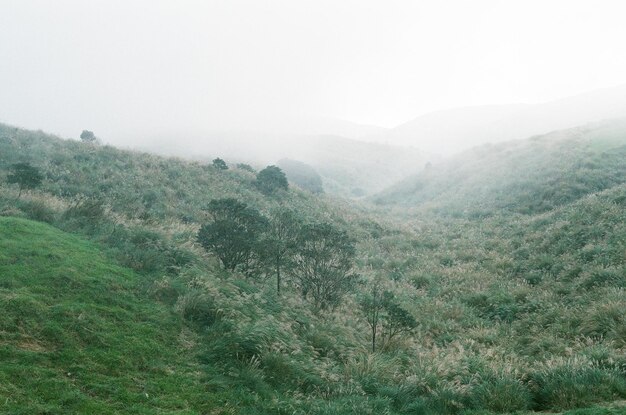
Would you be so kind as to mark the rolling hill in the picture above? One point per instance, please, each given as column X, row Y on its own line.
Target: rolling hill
column 523, row 176
column 510, row 258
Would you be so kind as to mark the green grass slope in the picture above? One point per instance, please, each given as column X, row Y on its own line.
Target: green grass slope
column 79, row 337
column 76, row 338
column 140, row 186
column 517, row 310
column 524, row 176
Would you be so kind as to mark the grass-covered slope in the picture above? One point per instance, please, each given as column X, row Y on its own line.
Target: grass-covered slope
column 518, row 311
column 525, row 176
column 514, row 311
column 139, row 185
column 77, row 338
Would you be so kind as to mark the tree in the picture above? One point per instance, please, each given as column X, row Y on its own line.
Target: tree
column 384, row 314
column 372, row 305
column 323, row 264
column 88, row 136
column 25, row 176
column 234, row 233
column 271, row 179
column 279, row 243
column 397, row 319
column 220, row 164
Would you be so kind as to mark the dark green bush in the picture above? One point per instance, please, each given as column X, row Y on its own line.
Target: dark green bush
column 85, row 213
column 445, row 401
column 575, row 387
column 284, row 372
column 38, row 211
column 501, row 394
column 198, row 307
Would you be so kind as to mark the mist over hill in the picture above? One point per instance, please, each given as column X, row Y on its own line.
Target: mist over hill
column 525, row 176
column 357, row 160
column 451, row 131
column 348, row 167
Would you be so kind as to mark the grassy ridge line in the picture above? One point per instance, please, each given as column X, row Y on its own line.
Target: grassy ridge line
column 76, row 338
column 139, row 185
column 524, row 176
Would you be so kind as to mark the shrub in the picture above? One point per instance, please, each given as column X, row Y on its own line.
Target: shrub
column 88, row 136
column 233, row 234
column 37, row 210
column 567, row 387
column 85, row 212
column 284, row 371
column 271, row 179
column 25, row 176
column 220, row 164
column 323, row 264
column 501, row 394
column 198, row 307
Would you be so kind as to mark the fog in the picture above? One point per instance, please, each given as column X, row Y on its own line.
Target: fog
column 165, row 74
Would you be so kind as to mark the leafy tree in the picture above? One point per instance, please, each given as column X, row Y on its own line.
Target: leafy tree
column 88, row 136
column 271, row 179
column 25, row 176
column 281, row 238
column 323, row 264
column 220, row 164
column 234, row 233
column 397, row 320
column 385, row 315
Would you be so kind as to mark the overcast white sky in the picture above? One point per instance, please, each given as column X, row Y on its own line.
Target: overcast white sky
column 114, row 65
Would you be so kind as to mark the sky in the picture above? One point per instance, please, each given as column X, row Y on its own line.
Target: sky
column 145, row 66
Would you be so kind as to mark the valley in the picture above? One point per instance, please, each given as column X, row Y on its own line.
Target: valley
column 505, row 266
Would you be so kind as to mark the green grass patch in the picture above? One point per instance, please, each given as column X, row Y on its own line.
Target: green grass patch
column 77, row 337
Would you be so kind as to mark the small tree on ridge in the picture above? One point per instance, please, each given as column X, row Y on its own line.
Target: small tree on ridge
column 25, row 176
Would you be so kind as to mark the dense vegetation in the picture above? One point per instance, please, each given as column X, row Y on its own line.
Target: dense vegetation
column 482, row 301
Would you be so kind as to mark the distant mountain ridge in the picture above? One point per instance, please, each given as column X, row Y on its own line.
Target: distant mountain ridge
column 455, row 130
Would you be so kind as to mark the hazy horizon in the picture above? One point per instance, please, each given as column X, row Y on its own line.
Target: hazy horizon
column 146, row 67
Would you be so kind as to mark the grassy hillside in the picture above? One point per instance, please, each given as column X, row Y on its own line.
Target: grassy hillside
column 77, row 337
column 526, row 176
column 517, row 310
column 534, row 302
column 140, row 185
